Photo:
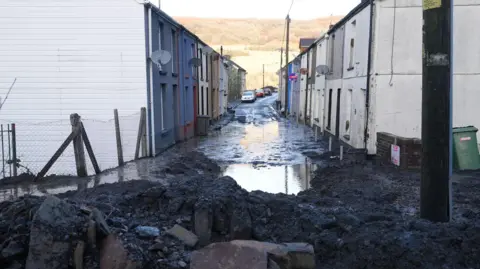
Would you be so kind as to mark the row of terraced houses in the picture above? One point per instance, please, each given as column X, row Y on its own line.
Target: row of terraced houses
column 91, row 57
column 361, row 82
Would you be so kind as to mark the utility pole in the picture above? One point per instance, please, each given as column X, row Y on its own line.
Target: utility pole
column 281, row 66
column 263, row 76
column 435, row 189
column 286, row 63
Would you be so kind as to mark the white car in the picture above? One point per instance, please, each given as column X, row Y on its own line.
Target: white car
column 248, row 96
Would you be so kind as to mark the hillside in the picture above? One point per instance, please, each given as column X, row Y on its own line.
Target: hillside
column 254, row 42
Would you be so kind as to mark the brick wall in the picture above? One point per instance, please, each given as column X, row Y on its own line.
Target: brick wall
column 410, row 150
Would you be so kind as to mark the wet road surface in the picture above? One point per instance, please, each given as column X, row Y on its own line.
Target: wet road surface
column 258, row 148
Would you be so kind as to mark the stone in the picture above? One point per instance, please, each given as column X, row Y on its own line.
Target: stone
column 12, row 250
column 147, row 231
column 228, row 256
column 156, row 246
column 102, row 226
column 113, row 254
column 203, row 224
column 241, row 224
column 15, row 265
column 182, row 264
column 184, row 235
column 92, row 233
column 78, row 255
column 52, row 233
column 301, row 255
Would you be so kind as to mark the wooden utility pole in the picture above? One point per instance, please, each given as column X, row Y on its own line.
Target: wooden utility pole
column 435, row 190
column 286, row 63
column 281, row 66
column 263, row 72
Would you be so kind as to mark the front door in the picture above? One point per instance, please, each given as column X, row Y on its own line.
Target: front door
column 337, row 118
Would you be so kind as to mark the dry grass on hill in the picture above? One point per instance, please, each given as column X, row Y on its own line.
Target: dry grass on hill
column 254, row 42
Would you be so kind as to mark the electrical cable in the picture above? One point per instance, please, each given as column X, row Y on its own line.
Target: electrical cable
column 393, row 41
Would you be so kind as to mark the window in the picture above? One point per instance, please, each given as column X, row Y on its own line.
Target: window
column 161, row 38
column 174, row 52
column 352, row 51
column 163, row 97
column 329, row 119
column 200, row 53
column 332, row 54
column 193, row 56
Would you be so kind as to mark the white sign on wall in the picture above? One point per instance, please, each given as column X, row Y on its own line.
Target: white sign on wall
column 395, row 153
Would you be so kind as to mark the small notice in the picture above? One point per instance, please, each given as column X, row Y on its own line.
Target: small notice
column 466, row 138
column 431, row 4
column 395, row 153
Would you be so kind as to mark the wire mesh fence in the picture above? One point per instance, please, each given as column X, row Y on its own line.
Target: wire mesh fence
column 37, row 142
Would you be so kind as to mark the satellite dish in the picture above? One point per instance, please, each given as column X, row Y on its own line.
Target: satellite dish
column 207, row 50
column 161, row 57
column 195, row 62
column 322, row 69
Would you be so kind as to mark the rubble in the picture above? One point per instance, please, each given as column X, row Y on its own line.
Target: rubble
column 351, row 218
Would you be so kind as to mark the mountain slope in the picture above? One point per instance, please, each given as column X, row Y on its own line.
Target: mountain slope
column 254, row 42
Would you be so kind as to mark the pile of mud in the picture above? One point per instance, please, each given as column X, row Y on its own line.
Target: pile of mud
column 355, row 217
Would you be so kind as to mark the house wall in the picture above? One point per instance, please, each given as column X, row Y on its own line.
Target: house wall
column 164, row 108
column 319, row 92
column 85, row 57
column 334, row 77
column 311, row 84
column 243, row 80
column 202, row 100
column 303, row 87
column 223, row 88
column 397, row 93
column 188, row 81
column 354, row 84
column 295, row 89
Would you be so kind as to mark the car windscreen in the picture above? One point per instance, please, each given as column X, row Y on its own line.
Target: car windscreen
column 247, row 93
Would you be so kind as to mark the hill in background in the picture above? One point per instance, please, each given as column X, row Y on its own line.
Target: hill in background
column 254, row 42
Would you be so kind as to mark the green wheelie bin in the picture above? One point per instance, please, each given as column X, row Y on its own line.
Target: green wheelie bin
column 465, row 148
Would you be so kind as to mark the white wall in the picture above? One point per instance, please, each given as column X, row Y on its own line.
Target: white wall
column 77, row 56
column 354, row 84
column 319, row 92
column 397, row 93
column 303, row 85
column 202, row 83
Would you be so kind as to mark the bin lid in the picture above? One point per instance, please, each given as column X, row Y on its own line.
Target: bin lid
column 464, row 129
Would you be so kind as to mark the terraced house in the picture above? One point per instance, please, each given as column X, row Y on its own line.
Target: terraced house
column 368, row 74
column 91, row 57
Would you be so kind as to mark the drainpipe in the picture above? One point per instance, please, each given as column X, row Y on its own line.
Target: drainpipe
column 150, row 121
column 306, row 91
column 369, row 65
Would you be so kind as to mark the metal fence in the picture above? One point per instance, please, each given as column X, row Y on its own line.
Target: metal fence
column 9, row 150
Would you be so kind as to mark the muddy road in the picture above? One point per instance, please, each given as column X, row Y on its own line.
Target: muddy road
column 253, row 143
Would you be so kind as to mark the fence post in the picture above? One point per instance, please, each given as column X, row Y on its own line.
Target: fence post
column 14, row 150
column 78, row 145
column 142, row 134
column 118, row 137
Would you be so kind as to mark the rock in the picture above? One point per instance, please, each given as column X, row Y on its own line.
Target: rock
column 52, row 232
column 182, row 264
column 15, row 265
column 228, row 256
column 113, row 255
column 147, row 231
column 12, row 250
column 102, row 226
column 78, row 255
column 156, row 246
column 92, row 233
column 184, row 235
column 241, row 224
column 203, row 223
column 301, row 255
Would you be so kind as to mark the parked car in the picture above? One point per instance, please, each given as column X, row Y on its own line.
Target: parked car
column 260, row 93
column 248, row 96
column 268, row 92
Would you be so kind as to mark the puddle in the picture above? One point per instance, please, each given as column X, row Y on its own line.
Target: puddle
column 289, row 179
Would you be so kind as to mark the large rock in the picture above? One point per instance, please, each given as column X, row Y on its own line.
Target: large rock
column 184, row 235
column 240, row 254
column 55, row 227
column 203, row 223
column 114, row 255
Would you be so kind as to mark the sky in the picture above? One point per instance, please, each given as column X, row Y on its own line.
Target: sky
column 262, row 9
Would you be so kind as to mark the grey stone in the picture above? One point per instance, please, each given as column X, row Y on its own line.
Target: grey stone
column 203, row 223
column 184, row 235
column 182, row 264
column 12, row 250
column 102, row 226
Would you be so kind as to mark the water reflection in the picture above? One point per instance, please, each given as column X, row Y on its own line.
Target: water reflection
column 289, row 179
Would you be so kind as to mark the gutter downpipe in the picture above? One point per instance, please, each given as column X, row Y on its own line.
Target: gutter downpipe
column 150, row 121
column 369, row 65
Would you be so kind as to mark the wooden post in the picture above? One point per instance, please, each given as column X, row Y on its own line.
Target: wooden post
column 78, row 145
column 118, row 137
column 14, row 149
column 143, row 115
column 56, row 155
column 88, row 146
column 141, row 137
